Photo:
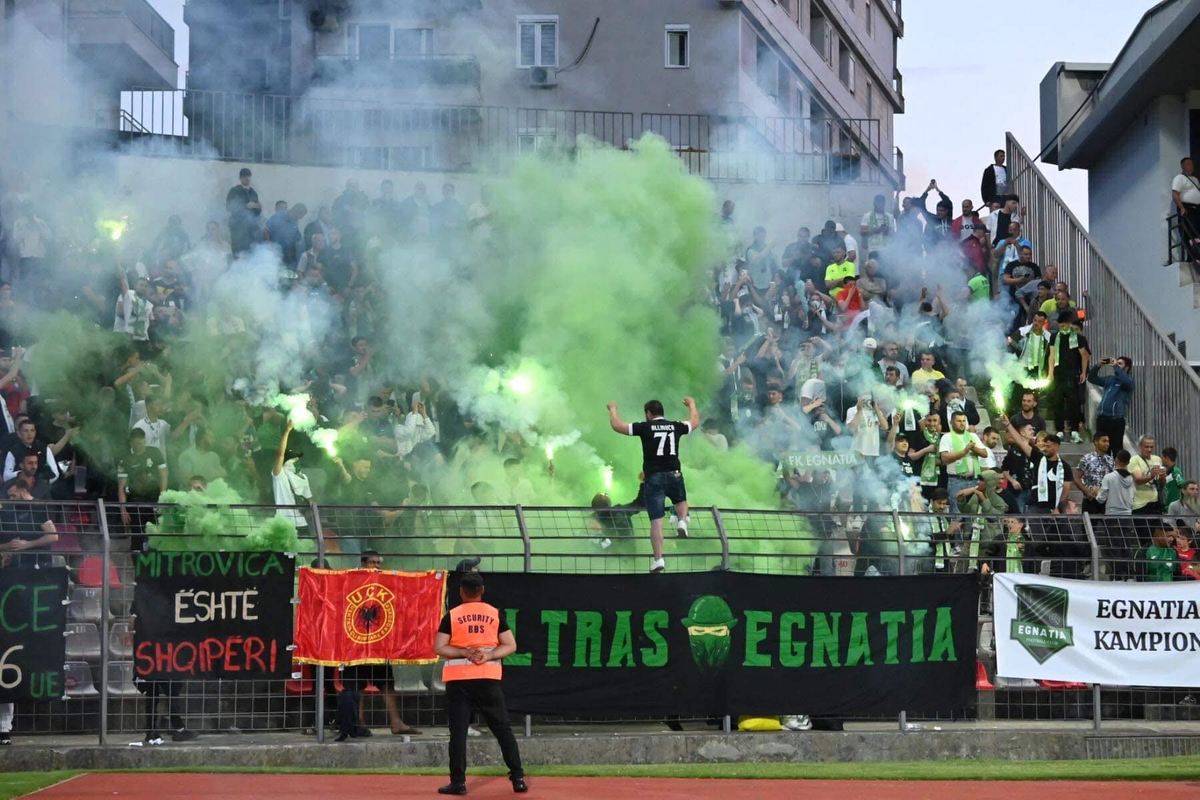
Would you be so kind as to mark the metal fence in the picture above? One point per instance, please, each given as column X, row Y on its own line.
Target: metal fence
column 312, row 131
column 96, row 543
column 1117, row 324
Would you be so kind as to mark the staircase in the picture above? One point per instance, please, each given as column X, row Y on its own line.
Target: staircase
column 1166, row 396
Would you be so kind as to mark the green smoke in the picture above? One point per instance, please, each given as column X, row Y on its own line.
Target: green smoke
column 204, row 522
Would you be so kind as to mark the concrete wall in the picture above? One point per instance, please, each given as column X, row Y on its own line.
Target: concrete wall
column 1129, row 198
column 195, row 189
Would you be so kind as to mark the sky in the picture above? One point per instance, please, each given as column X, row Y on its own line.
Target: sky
column 967, row 80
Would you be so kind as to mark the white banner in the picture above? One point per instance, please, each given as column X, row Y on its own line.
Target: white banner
column 1115, row 634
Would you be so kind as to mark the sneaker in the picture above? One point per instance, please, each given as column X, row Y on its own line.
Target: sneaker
column 453, row 788
column 1076, row 438
column 183, row 735
column 658, row 566
column 5, row 739
column 153, row 739
column 362, row 732
column 473, row 731
column 681, row 528
column 799, row 722
column 519, row 786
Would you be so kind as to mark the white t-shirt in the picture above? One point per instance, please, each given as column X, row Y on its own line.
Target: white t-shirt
column 946, row 445
column 281, row 487
column 132, row 316
column 1188, row 188
column 158, row 433
column 866, row 438
column 851, row 245
column 1001, row 178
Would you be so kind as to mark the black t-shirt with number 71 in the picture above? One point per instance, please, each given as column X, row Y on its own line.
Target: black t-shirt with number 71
column 660, row 443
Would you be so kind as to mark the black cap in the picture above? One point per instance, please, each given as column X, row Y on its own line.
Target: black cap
column 468, row 564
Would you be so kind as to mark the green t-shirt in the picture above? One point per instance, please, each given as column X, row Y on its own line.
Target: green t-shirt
column 1050, row 308
column 980, row 289
column 1162, row 563
column 1173, row 488
column 838, row 272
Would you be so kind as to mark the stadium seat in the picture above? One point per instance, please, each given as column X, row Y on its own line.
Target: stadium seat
column 301, row 683
column 120, row 601
column 83, row 641
column 987, row 637
column 1015, row 683
column 982, row 684
column 120, row 641
column 85, row 604
column 78, row 678
column 120, row 679
column 91, row 572
column 1062, row 686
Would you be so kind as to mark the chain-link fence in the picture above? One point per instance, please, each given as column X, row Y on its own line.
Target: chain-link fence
column 97, row 543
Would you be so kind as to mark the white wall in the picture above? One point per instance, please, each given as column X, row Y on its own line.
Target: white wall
column 195, row 189
column 1129, row 192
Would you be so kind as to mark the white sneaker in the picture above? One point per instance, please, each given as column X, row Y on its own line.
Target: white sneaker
column 473, row 731
column 658, row 566
column 681, row 529
column 1076, row 438
column 799, row 722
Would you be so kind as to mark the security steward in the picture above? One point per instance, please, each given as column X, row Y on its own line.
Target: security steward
column 473, row 638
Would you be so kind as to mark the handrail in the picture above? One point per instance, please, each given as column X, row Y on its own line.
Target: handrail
column 1166, row 397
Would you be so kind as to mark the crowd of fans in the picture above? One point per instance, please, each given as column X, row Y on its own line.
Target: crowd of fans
column 849, row 341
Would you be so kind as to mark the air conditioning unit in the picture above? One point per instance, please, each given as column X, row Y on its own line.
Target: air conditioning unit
column 323, row 21
column 542, row 77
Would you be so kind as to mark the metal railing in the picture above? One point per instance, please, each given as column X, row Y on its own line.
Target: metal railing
column 1181, row 231
column 97, row 543
column 314, row 131
column 1166, row 395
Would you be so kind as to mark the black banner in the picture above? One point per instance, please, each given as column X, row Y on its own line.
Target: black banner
column 213, row 615
column 715, row 643
column 33, row 618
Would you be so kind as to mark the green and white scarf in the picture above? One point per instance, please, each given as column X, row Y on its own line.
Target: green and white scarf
column 1033, row 355
column 1013, row 558
column 1072, row 339
column 1043, row 483
column 929, row 464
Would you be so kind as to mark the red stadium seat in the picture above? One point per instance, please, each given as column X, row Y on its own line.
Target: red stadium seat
column 982, row 684
column 91, row 572
column 303, row 685
column 1062, row 686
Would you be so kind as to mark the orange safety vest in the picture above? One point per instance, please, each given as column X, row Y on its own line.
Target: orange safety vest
column 473, row 625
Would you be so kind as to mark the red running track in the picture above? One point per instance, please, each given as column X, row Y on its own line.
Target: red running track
column 157, row 786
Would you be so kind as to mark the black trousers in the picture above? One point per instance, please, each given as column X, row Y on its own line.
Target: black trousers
column 162, row 689
column 1115, row 428
column 485, row 697
column 1066, row 401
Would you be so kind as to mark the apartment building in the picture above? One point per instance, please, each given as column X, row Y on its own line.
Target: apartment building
column 808, row 77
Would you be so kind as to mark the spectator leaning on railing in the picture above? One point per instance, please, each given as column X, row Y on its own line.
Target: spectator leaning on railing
column 1185, row 194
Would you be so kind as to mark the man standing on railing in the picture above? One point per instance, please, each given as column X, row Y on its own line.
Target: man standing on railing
column 660, row 463
column 1185, row 194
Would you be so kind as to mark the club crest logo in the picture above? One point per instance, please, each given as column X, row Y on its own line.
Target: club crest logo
column 370, row 613
column 1041, row 623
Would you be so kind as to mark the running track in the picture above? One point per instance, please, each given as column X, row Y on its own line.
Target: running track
column 151, row 786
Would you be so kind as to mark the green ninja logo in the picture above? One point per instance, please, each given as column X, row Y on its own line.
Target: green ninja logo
column 708, row 622
column 1041, row 623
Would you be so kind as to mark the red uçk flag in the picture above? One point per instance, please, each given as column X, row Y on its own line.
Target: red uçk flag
column 363, row 616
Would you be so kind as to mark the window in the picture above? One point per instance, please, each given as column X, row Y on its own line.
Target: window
column 847, row 69
column 537, row 41
column 767, row 74
column 536, row 140
column 414, row 42
column 821, row 36
column 285, row 33
column 678, row 46
column 285, row 9
column 372, row 42
column 870, row 18
column 870, row 99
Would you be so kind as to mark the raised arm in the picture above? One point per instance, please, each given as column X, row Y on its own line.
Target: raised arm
column 277, row 467
column 614, row 419
column 1015, row 437
column 694, row 417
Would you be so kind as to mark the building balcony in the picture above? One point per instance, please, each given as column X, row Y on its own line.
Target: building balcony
column 398, row 71
column 125, row 42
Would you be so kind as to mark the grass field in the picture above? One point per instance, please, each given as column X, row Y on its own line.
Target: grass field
column 1182, row 768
